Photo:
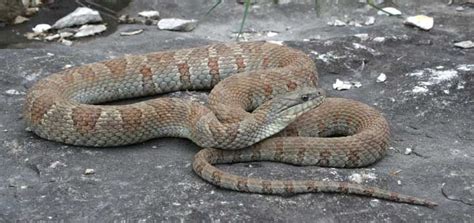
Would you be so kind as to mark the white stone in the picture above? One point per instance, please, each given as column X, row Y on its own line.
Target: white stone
column 341, row 85
column 374, row 203
column 357, row 84
column 89, row 30
column 421, row 21
column 337, row 22
column 408, row 151
column 41, row 28
column 362, row 36
column 275, row 42
column 177, row 24
column 390, row 10
column 465, row 44
column 271, row 34
column 420, row 89
column 52, row 37
column 369, row 21
column 89, row 171
column 66, row 34
column 80, row 16
column 379, row 39
column 381, row 78
column 459, row 8
column 151, row 14
column 12, row 92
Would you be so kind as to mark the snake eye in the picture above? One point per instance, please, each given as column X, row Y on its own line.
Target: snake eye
column 305, row 97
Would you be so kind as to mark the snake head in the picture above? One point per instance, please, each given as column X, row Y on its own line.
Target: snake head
column 284, row 109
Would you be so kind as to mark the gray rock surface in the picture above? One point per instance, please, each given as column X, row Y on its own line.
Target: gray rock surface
column 42, row 180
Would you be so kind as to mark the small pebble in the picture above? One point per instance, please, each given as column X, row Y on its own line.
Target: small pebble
column 41, row 28
column 465, row 44
column 150, row 14
column 374, row 203
column 12, row 92
column 357, row 84
column 341, row 85
column 52, row 37
column 408, row 151
column 89, row 171
column 381, row 78
column 271, row 34
column 379, row 39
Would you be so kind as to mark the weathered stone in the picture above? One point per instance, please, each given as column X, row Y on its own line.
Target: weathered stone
column 465, row 44
column 80, row 16
column 177, row 24
column 150, row 14
column 41, row 28
column 89, row 30
column 421, row 21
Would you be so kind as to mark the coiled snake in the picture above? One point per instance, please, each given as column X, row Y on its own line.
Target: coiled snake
column 277, row 83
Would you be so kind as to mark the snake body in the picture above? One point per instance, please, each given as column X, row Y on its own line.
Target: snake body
column 277, row 83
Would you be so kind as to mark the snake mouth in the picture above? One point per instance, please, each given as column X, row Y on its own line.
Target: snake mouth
column 303, row 101
column 288, row 107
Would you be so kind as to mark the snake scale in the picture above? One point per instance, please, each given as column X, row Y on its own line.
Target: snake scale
column 259, row 90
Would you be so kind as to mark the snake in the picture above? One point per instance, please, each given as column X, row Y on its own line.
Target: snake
column 264, row 105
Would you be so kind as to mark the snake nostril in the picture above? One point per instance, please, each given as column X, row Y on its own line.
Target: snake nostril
column 305, row 97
